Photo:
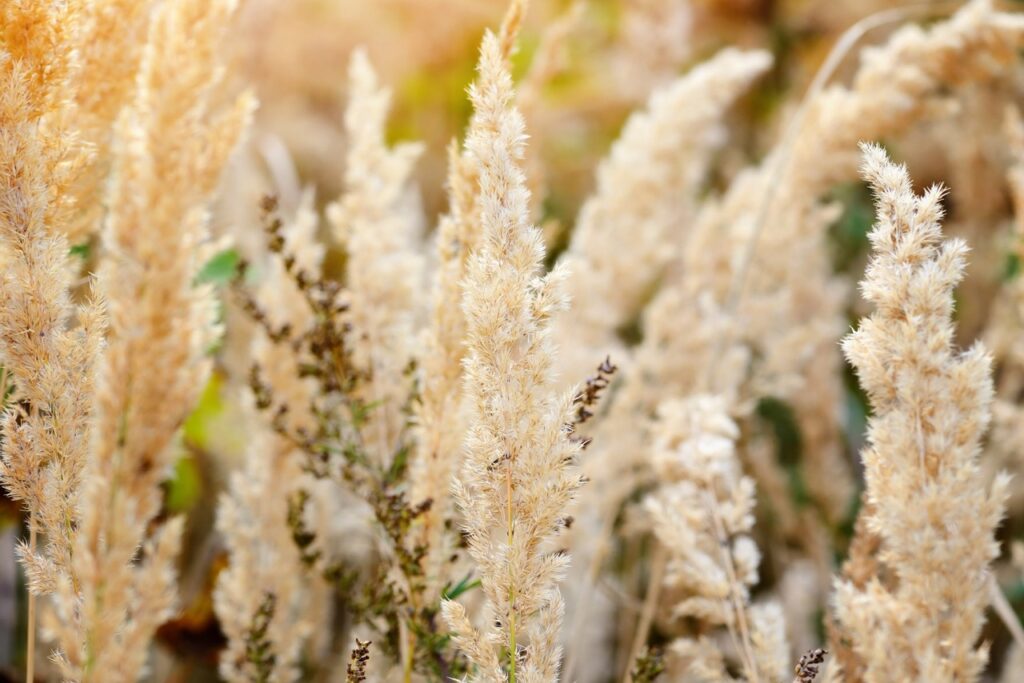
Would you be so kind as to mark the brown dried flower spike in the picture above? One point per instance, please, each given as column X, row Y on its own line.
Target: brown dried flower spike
column 356, row 672
column 807, row 668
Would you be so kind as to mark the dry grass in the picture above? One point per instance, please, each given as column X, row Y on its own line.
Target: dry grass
column 287, row 400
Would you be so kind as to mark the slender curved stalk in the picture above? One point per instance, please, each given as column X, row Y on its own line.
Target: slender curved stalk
column 643, row 627
column 839, row 52
column 780, row 162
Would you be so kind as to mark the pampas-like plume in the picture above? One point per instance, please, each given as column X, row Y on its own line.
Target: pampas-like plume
column 519, row 477
column 110, row 43
column 440, row 417
column 173, row 143
column 703, row 515
column 928, row 501
column 1005, row 446
column 645, row 197
column 377, row 222
column 657, row 38
column 896, row 85
column 43, row 450
column 790, row 311
column 44, row 444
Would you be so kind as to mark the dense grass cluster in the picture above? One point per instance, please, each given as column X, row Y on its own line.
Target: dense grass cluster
column 591, row 397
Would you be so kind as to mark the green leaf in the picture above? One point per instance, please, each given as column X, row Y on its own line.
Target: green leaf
column 397, row 468
column 220, row 269
column 848, row 236
column 81, row 250
column 466, row 584
column 1011, row 269
column 782, row 420
column 185, row 487
column 788, row 444
column 360, row 411
column 209, row 407
column 1015, row 592
column 353, row 455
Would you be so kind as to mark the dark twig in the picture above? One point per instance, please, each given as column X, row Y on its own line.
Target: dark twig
column 356, row 672
column 807, row 668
